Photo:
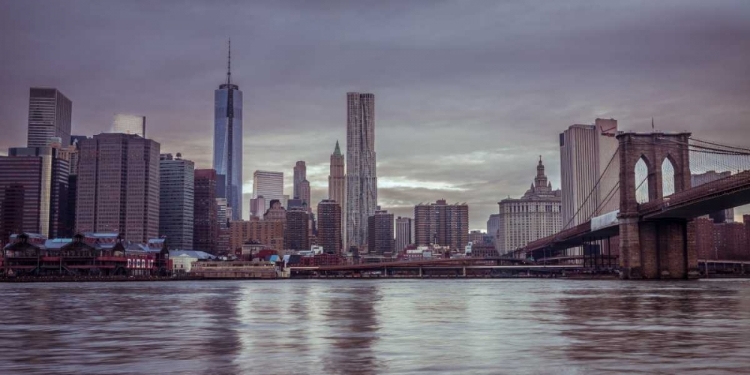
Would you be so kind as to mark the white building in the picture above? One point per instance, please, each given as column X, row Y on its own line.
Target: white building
column 533, row 216
column 270, row 186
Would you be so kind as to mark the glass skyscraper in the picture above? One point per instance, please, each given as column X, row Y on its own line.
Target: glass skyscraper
column 228, row 141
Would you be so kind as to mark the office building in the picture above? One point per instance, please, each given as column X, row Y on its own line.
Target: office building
column 50, row 114
column 129, row 124
column 304, row 190
column 535, row 215
column 337, row 186
column 276, row 212
column 380, row 233
column 228, row 140
column 586, row 153
column 300, row 174
column 257, row 207
column 177, row 203
column 403, row 233
column 329, row 226
column 269, row 185
column 34, row 192
column 361, row 176
column 442, row 224
column 493, row 224
column 205, row 212
column 296, row 235
column 268, row 233
column 118, row 186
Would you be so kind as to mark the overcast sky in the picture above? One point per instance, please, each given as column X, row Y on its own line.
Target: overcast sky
column 468, row 94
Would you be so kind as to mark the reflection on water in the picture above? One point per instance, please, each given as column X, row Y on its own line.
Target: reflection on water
column 373, row 327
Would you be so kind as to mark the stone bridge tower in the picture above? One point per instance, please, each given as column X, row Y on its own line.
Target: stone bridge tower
column 659, row 248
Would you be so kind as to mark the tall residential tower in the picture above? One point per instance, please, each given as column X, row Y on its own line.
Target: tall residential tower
column 361, row 177
column 228, row 140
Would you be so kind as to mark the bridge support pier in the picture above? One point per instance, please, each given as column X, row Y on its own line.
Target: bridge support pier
column 657, row 249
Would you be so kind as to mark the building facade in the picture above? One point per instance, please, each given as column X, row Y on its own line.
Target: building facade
column 118, row 186
column 535, row 215
column 50, row 114
column 228, row 141
column 53, row 188
column 586, row 153
column 177, row 201
column 296, row 235
column 329, row 226
column 441, row 224
column 205, row 211
column 493, row 224
column 129, row 124
column 337, row 186
column 403, row 233
column 300, row 174
column 269, row 233
column 270, row 186
column 380, row 233
column 361, row 175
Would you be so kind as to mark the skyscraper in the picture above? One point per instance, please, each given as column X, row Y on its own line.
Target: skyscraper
column 177, row 204
column 403, row 233
column 205, row 212
column 269, row 185
column 34, row 192
column 337, row 186
column 304, row 191
column 329, row 226
column 228, row 139
column 585, row 153
column 380, row 233
column 361, row 176
column 129, row 124
column 300, row 174
column 118, row 186
column 50, row 115
column 296, row 235
column 442, row 224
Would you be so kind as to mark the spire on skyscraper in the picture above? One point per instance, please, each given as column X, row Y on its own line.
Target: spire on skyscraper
column 229, row 63
column 337, row 150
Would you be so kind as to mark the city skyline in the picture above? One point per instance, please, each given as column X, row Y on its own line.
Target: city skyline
column 481, row 161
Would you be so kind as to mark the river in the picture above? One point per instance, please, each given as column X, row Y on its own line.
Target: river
column 496, row 326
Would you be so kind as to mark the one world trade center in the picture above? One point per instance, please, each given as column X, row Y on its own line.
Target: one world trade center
column 228, row 142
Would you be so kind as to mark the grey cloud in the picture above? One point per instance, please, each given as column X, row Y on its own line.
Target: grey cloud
column 467, row 94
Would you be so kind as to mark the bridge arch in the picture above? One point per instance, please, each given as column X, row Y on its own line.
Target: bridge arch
column 642, row 172
column 667, row 176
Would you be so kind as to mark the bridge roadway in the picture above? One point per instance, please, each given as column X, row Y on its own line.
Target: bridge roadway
column 701, row 200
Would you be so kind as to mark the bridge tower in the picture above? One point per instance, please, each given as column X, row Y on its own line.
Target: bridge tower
column 659, row 248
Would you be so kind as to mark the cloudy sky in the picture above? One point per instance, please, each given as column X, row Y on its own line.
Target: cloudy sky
column 468, row 94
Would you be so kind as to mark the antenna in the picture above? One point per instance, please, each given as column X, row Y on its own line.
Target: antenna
column 229, row 63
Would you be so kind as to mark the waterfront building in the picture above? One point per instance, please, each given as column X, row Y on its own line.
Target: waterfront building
column 205, row 211
column 176, row 200
column 129, row 124
column 380, row 233
column 403, row 233
column 586, row 152
column 34, row 192
column 535, row 215
column 442, row 224
column 361, row 176
column 269, row 185
column 228, row 141
column 296, row 235
column 329, row 226
column 118, row 186
column 50, row 114
column 269, row 233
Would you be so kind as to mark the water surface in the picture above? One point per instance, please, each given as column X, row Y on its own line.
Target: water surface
column 376, row 327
